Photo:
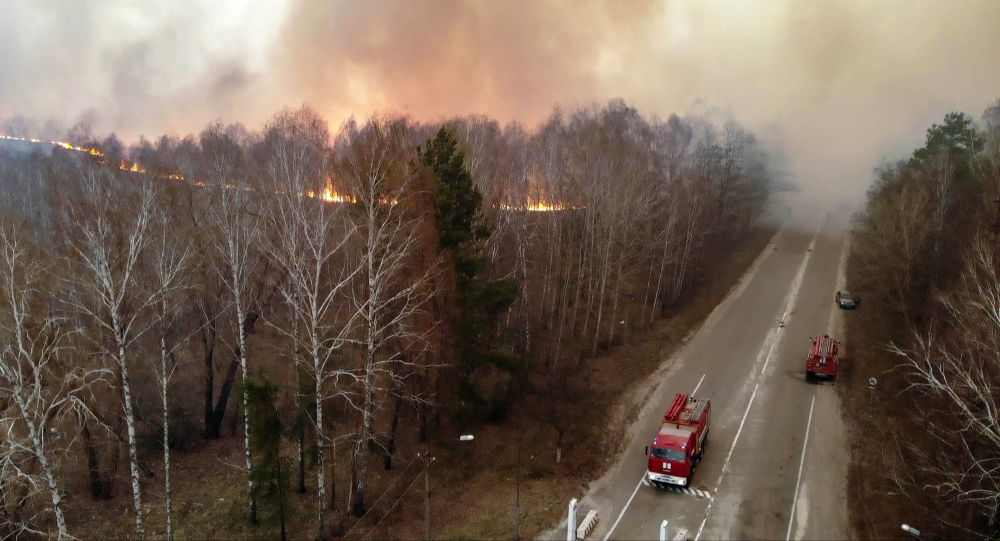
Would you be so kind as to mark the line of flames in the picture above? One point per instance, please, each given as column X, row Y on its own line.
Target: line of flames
column 68, row 146
column 328, row 195
column 540, row 206
column 331, row 196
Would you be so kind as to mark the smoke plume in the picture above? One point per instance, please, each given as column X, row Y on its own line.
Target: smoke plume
column 843, row 85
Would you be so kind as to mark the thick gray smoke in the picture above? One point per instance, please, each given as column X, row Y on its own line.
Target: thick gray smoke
column 135, row 67
column 843, row 85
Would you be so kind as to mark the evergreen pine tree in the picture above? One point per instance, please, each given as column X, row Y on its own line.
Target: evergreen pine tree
column 270, row 477
column 462, row 229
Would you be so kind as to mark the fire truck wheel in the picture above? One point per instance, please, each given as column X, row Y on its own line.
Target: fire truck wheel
column 810, row 377
column 687, row 481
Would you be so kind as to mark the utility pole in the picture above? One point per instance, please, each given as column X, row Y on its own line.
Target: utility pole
column 996, row 223
column 427, row 494
column 517, row 499
column 427, row 483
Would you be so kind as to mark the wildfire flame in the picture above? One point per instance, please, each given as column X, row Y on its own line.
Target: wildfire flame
column 542, row 206
column 67, row 146
column 332, row 196
column 329, row 194
column 539, row 206
column 124, row 166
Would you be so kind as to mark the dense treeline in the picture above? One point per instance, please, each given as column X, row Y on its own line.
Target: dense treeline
column 449, row 268
column 925, row 257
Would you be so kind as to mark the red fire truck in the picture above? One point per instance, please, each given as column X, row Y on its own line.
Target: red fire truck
column 680, row 443
column 822, row 360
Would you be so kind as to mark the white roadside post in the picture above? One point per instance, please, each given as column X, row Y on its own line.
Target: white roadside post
column 663, row 531
column 910, row 530
column 571, row 521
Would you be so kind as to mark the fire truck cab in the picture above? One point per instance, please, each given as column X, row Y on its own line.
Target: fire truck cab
column 680, row 442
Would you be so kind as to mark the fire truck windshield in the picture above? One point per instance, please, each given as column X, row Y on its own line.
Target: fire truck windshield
column 675, row 455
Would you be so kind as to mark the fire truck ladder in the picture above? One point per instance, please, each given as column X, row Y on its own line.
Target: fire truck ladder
column 824, row 348
column 685, row 409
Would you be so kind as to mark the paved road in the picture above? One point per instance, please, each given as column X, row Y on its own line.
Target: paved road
column 776, row 464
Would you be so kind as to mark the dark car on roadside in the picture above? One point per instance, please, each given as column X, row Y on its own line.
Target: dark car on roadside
column 846, row 301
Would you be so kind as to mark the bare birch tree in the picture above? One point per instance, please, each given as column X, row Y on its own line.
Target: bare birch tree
column 39, row 386
column 309, row 249
column 169, row 265
column 112, row 231
column 957, row 372
column 236, row 218
column 388, row 296
column 546, row 171
column 223, row 159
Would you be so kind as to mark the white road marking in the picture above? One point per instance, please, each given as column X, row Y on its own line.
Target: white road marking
column 802, row 459
column 699, row 385
column 629, row 502
column 773, row 339
column 693, row 492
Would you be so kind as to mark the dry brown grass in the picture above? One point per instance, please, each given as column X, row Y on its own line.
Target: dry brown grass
column 473, row 484
column 878, row 421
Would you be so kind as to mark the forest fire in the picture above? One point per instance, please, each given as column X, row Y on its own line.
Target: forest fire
column 63, row 144
column 329, row 194
column 232, row 222
column 540, row 206
column 124, row 166
column 68, row 146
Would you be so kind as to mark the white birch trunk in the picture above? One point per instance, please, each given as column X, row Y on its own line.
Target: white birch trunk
column 133, row 456
column 50, row 480
column 164, row 375
column 47, row 470
column 245, row 372
column 614, row 302
column 605, row 263
column 658, row 292
column 320, row 433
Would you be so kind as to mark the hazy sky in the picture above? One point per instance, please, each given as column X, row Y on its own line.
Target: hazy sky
column 842, row 85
